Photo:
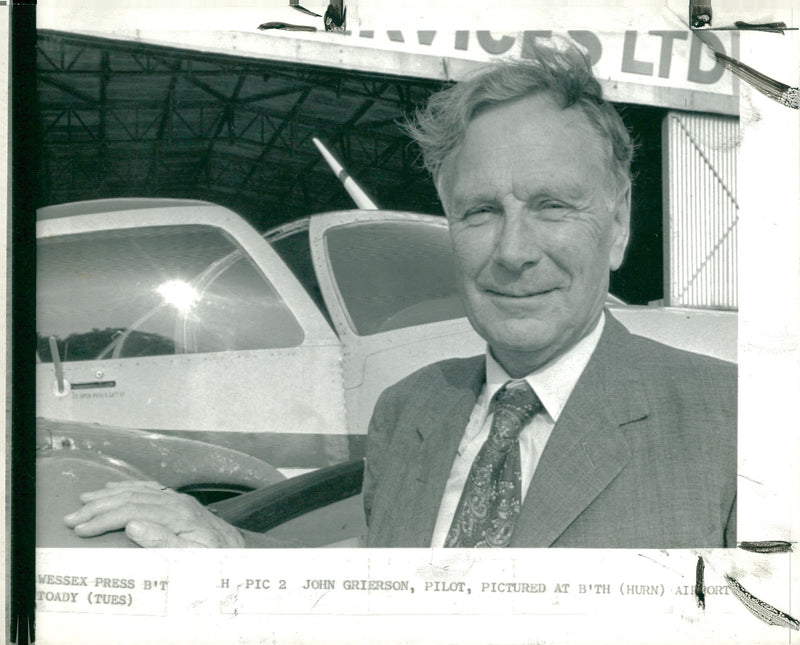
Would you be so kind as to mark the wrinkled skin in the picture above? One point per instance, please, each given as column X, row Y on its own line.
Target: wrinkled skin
column 538, row 222
column 152, row 516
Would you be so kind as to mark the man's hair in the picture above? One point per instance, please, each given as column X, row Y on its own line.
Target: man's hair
column 563, row 72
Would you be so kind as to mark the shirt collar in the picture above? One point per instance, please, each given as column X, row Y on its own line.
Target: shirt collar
column 554, row 382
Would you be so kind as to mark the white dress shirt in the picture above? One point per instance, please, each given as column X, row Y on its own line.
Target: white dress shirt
column 553, row 384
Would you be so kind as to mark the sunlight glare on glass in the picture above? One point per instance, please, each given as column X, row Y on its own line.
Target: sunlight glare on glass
column 179, row 294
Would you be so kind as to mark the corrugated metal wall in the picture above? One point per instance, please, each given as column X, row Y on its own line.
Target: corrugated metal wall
column 700, row 210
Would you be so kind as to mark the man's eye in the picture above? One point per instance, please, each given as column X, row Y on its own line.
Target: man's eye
column 479, row 214
column 552, row 209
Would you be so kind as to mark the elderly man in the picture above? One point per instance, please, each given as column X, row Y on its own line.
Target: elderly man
column 569, row 431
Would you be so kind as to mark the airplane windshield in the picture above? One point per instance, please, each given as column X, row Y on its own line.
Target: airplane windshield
column 154, row 291
column 394, row 274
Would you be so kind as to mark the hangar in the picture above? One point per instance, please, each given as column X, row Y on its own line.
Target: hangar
column 123, row 118
column 230, row 120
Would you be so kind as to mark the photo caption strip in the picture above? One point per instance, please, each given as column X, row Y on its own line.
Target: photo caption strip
column 102, row 582
column 359, row 582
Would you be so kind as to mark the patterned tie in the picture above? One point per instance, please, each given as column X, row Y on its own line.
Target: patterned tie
column 487, row 512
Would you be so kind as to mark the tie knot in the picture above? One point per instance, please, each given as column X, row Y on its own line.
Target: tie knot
column 515, row 404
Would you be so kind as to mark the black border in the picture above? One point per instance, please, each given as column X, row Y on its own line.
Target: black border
column 24, row 161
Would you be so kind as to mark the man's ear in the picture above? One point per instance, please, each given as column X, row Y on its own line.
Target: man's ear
column 620, row 228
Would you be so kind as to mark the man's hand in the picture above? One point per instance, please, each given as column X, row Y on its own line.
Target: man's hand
column 152, row 516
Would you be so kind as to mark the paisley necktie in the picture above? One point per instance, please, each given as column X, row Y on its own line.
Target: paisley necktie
column 487, row 512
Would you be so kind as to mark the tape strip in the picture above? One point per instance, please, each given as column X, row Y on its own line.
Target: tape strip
column 777, row 91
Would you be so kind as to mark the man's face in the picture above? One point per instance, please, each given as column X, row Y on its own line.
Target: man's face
column 537, row 224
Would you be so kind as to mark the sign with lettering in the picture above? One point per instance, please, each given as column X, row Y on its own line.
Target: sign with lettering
column 669, row 68
column 665, row 64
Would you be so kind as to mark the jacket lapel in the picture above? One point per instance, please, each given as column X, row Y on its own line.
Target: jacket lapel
column 439, row 430
column 587, row 448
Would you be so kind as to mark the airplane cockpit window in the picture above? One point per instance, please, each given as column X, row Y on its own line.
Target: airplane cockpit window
column 394, row 274
column 154, row 291
column 295, row 250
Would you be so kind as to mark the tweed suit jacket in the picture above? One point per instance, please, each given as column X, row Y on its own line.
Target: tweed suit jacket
column 642, row 456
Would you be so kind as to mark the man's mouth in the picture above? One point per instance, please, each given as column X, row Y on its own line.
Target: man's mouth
column 519, row 293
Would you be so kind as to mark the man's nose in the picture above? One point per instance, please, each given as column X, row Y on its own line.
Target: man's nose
column 518, row 242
